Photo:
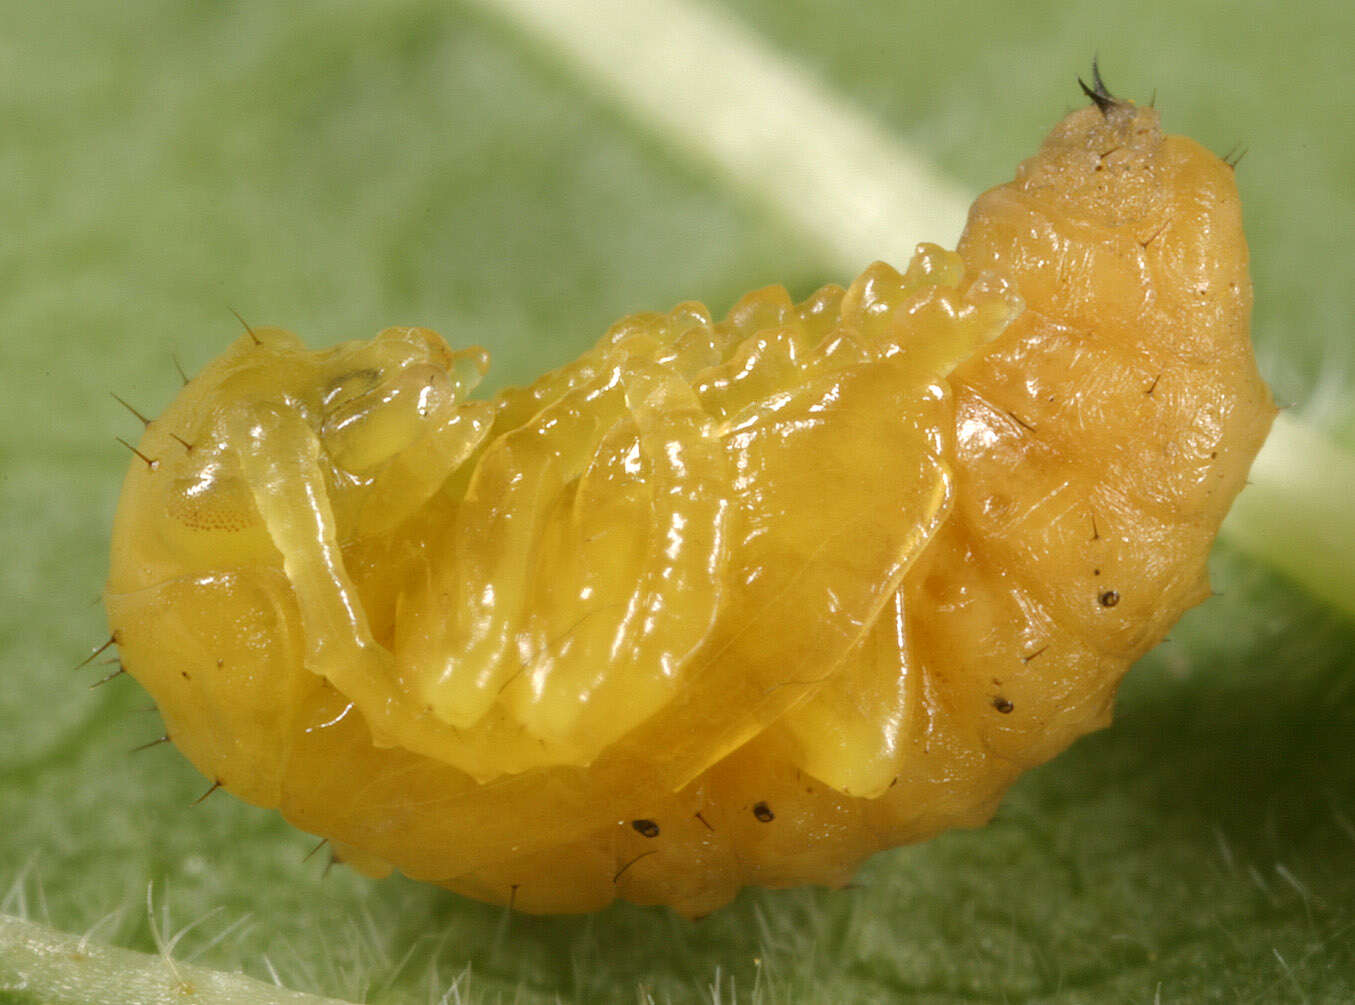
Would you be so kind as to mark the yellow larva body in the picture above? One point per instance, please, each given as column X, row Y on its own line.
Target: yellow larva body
column 718, row 603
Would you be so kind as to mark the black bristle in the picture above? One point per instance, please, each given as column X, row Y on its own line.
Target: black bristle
column 1097, row 91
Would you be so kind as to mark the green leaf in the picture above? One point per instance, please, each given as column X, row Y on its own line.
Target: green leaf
column 494, row 171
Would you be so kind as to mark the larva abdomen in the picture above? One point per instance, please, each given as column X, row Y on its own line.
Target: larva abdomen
column 716, row 604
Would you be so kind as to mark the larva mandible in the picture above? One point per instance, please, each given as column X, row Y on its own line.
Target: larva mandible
column 717, row 603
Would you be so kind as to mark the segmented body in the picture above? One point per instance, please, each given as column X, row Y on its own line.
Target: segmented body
column 718, row 603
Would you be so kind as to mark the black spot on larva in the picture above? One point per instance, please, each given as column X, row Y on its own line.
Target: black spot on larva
column 648, row 828
column 763, row 812
column 1109, row 599
column 704, row 820
column 1003, row 705
column 1098, row 92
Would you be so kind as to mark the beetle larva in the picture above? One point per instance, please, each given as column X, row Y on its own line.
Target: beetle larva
column 718, row 603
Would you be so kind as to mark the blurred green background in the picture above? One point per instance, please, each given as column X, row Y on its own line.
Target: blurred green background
column 338, row 167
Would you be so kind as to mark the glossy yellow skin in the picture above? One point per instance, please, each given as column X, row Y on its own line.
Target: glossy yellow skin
column 718, row 603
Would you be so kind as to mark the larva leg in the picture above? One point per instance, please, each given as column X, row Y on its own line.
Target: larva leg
column 279, row 456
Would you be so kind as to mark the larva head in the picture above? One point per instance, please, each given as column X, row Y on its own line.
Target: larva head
column 202, row 604
column 371, row 412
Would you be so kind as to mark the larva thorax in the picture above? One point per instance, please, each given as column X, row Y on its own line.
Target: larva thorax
column 718, row 602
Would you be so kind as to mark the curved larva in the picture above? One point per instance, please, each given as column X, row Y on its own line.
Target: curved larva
column 717, row 603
